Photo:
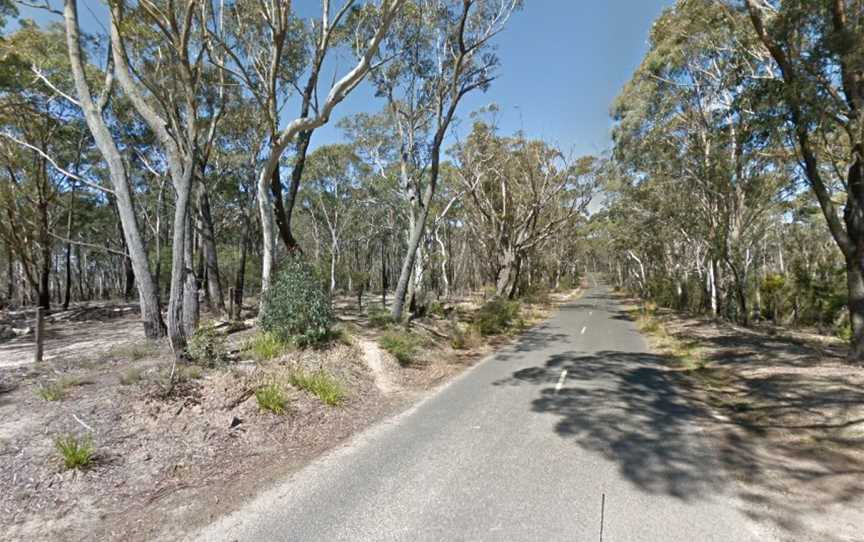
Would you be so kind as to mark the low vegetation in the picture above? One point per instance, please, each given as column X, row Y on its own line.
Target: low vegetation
column 380, row 318
column 207, row 347
column 271, row 397
column 297, row 306
column 401, row 343
column 498, row 315
column 76, row 452
column 685, row 352
column 264, row 346
column 320, row 384
column 131, row 376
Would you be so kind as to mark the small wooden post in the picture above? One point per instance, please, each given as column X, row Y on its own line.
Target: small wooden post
column 40, row 333
column 231, row 303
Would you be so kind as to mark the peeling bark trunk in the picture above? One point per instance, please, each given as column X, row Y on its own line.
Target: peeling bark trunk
column 151, row 316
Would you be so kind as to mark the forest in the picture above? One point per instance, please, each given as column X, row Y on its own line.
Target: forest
column 172, row 163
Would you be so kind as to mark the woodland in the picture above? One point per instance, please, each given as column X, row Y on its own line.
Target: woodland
column 159, row 159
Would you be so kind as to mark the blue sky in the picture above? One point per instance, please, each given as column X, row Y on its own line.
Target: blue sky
column 562, row 64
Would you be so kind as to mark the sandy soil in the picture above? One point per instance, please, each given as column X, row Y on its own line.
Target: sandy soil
column 168, row 462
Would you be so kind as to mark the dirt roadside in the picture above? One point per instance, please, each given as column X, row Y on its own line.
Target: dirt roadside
column 786, row 411
column 167, row 463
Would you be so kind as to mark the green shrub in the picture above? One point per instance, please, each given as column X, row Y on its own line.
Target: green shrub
column 264, row 346
column 436, row 308
column 207, row 346
column 496, row 316
column 380, row 318
column 402, row 344
column 319, row 384
column 53, row 391
column 270, row 397
column 297, row 307
column 76, row 453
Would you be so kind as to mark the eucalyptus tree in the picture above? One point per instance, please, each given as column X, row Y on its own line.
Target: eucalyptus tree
column 334, row 177
column 816, row 49
column 690, row 118
column 441, row 52
column 520, row 194
column 268, row 69
column 93, row 109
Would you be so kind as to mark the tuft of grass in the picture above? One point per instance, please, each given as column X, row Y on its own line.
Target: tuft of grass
column 463, row 339
column 76, row 452
column 52, row 391
column 56, row 391
column 380, row 318
column 132, row 352
column 319, row 384
column 402, row 344
column 130, row 376
column 265, row 345
column 270, row 397
column 341, row 334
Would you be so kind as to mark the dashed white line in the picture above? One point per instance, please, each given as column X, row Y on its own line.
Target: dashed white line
column 583, row 330
column 561, row 380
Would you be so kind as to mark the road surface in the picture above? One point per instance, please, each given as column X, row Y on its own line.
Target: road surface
column 573, row 433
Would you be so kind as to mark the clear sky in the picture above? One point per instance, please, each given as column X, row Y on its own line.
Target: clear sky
column 562, row 64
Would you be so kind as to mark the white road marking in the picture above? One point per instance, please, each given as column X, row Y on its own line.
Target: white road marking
column 583, row 330
column 561, row 380
column 590, row 313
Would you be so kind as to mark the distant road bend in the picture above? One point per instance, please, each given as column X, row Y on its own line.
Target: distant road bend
column 573, row 433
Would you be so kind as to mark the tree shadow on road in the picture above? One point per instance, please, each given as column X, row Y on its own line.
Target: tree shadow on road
column 668, row 437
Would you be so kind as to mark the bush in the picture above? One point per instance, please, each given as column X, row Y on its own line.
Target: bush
column 53, row 391
column 264, row 346
column 207, row 346
column 401, row 344
column 380, row 318
column 76, row 453
column 297, row 307
column 436, row 308
column 270, row 397
column 496, row 316
column 320, row 384
column 463, row 339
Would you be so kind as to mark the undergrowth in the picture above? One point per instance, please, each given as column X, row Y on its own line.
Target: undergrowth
column 77, row 453
column 320, row 384
column 402, row 344
column 271, row 397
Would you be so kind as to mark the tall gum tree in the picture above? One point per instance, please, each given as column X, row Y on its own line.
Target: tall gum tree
column 93, row 109
column 424, row 91
column 818, row 48
column 258, row 66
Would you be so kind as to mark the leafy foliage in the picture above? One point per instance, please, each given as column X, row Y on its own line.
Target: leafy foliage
column 207, row 347
column 498, row 315
column 297, row 307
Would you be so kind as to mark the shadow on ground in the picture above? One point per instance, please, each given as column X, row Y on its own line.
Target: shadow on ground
column 777, row 444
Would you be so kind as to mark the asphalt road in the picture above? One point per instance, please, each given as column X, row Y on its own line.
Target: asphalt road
column 573, row 429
